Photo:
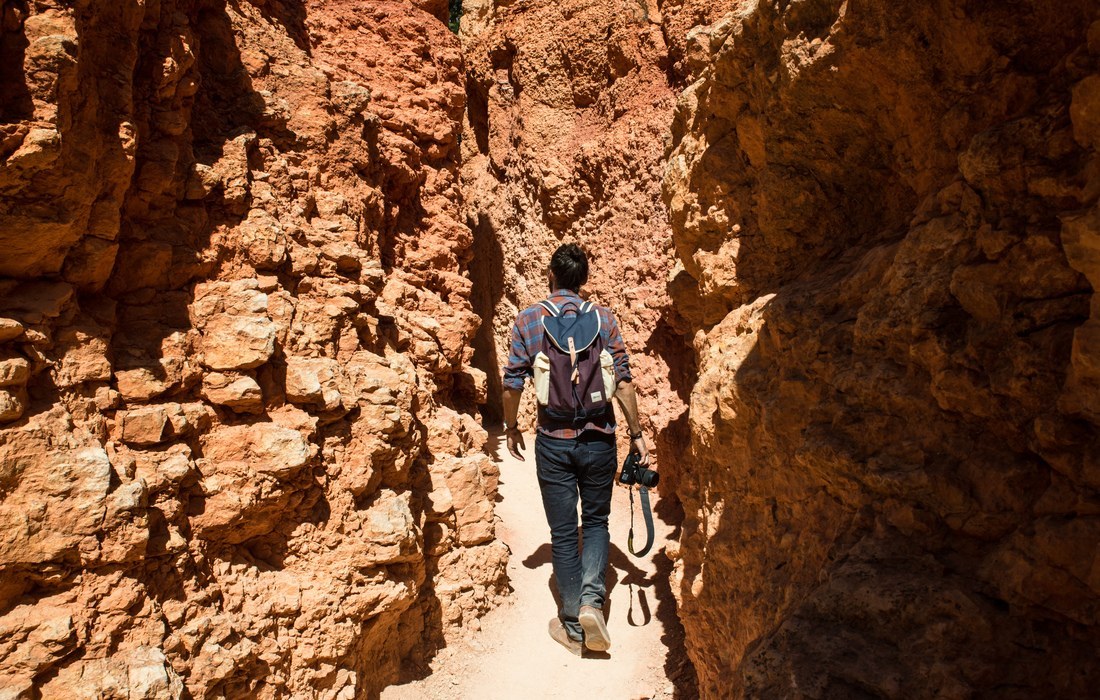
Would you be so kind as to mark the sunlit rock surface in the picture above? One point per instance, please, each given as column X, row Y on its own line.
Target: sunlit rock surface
column 245, row 246
column 234, row 311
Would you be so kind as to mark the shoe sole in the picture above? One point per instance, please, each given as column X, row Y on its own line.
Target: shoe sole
column 559, row 635
column 596, row 637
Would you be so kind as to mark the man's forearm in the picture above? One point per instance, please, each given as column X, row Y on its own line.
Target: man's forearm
column 628, row 402
column 511, row 406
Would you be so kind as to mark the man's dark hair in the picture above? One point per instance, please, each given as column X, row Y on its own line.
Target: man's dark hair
column 570, row 266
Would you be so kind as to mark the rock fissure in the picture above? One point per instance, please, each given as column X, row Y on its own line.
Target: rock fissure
column 259, row 264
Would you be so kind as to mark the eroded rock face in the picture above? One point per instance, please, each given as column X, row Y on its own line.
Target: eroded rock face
column 569, row 107
column 237, row 451
column 236, row 454
column 887, row 219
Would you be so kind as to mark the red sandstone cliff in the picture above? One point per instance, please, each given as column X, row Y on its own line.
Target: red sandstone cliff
column 237, row 454
column 881, row 217
column 244, row 249
column 569, row 106
column 887, row 218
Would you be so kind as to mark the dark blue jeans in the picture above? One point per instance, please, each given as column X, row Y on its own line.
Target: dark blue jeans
column 584, row 467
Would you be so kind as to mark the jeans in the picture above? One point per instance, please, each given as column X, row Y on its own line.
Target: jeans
column 583, row 466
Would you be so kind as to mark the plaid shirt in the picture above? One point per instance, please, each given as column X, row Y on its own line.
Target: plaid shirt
column 527, row 340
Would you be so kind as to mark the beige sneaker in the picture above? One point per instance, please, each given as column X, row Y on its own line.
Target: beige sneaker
column 596, row 637
column 561, row 636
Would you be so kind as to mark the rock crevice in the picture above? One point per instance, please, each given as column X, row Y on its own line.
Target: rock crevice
column 261, row 259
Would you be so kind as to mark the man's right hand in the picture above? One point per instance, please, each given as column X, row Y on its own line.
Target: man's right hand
column 515, row 443
column 638, row 445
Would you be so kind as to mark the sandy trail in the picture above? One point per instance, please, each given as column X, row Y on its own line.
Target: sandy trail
column 512, row 656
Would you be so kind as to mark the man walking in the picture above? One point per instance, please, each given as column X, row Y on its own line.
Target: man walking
column 575, row 353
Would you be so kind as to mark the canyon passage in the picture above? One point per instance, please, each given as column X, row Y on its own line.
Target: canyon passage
column 259, row 262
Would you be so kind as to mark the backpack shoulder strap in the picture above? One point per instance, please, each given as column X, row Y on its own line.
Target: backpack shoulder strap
column 590, row 307
column 550, row 307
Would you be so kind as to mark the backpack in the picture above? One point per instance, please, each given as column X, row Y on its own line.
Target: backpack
column 574, row 373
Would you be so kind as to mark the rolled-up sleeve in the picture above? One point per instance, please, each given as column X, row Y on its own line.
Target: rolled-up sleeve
column 519, row 360
column 617, row 348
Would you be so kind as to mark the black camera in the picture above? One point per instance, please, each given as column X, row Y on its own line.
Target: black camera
column 634, row 473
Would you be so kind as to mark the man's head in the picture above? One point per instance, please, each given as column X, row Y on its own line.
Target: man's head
column 568, row 267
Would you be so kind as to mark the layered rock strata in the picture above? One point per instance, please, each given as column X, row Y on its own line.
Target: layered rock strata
column 237, row 450
column 568, row 110
column 887, row 219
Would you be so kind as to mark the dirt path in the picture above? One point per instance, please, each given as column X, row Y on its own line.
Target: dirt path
column 512, row 656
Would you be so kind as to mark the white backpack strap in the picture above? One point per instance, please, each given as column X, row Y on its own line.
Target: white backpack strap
column 549, row 306
column 589, row 306
column 586, row 307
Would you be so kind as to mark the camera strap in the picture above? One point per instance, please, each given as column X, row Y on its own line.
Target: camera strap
column 647, row 515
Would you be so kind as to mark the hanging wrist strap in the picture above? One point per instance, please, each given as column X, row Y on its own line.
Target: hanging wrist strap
column 647, row 515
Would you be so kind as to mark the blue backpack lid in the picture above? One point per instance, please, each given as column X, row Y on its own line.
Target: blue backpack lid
column 583, row 327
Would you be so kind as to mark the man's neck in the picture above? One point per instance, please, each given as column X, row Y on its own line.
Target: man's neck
column 564, row 290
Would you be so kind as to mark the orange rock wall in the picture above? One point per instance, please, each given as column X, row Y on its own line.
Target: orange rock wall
column 887, row 219
column 237, row 451
column 569, row 106
column 852, row 245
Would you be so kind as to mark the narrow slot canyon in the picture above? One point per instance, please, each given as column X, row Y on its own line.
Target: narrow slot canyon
column 259, row 264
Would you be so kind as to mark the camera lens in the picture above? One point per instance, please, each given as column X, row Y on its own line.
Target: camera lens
column 648, row 477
